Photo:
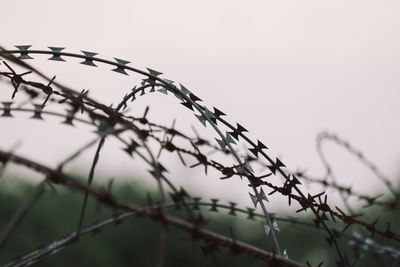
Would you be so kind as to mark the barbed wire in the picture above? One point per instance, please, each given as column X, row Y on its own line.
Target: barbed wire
column 109, row 121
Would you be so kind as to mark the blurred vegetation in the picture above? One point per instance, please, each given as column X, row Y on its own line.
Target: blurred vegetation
column 135, row 242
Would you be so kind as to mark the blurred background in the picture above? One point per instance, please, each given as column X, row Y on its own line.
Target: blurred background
column 285, row 70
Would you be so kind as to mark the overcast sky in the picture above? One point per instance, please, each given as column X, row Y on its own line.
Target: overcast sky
column 286, row 70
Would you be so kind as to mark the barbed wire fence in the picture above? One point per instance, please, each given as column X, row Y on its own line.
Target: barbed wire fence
column 136, row 133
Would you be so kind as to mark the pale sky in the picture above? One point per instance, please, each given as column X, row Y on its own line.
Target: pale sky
column 286, row 70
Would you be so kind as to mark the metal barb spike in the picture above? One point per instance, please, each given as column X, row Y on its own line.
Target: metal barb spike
column 232, row 208
column 285, row 255
column 56, row 53
column 89, row 58
column 163, row 90
column 154, row 72
column 210, row 115
column 184, row 89
column 275, row 225
column 37, row 112
column 196, row 201
column 248, row 167
column 121, row 66
column 267, row 229
column 168, row 81
column 69, row 117
column 24, row 51
column 229, row 139
column 218, row 113
column 7, row 109
column 263, row 196
column 250, row 214
column 254, row 199
column 201, row 119
column 214, row 204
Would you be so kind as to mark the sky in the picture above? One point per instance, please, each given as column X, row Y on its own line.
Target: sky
column 285, row 70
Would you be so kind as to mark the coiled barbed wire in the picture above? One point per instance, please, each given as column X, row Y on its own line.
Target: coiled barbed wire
column 110, row 121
